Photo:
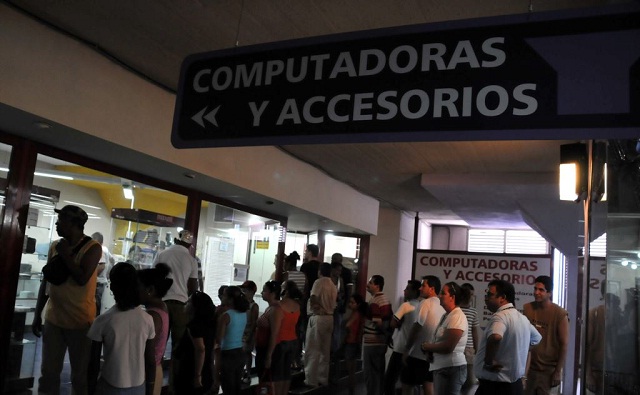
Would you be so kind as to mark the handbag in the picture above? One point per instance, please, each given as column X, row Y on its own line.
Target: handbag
column 56, row 271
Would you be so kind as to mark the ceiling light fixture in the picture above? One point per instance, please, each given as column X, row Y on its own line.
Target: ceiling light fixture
column 42, row 125
column 574, row 162
column 48, row 174
column 127, row 189
column 52, row 175
column 573, row 167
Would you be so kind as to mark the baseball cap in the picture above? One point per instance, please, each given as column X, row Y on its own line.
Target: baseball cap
column 73, row 212
column 185, row 236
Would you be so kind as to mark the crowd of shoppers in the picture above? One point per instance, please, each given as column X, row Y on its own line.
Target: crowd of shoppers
column 433, row 334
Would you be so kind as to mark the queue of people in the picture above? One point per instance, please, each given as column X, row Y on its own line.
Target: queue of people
column 436, row 336
column 433, row 334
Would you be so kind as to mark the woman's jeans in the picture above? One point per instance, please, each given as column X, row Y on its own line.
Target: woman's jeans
column 448, row 381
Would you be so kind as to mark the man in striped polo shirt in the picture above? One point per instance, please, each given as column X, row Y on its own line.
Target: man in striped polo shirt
column 376, row 330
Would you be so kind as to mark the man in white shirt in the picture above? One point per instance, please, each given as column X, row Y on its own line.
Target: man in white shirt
column 416, row 371
column 402, row 326
column 322, row 303
column 502, row 355
column 184, row 272
column 104, row 266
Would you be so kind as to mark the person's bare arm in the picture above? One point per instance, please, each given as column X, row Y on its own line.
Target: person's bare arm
column 448, row 343
column 275, row 322
column 150, row 366
column 221, row 331
column 157, row 324
column 198, row 356
column 36, row 325
column 83, row 272
column 475, row 336
column 192, row 285
column 563, row 338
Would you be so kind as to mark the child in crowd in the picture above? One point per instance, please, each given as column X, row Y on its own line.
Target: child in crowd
column 353, row 341
column 126, row 332
column 155, row 285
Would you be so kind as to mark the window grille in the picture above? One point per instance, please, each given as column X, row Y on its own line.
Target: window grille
column 509, row 241
column 598, row 247
column 486, row 240
column 525, row 242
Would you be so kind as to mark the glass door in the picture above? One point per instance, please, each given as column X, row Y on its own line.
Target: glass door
column 615, row 369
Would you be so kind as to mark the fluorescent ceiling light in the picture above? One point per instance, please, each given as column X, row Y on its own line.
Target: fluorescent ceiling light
column 604, row 196
column 568, row 179
column 44, row 174
column 51, row 175
column 127, row 191
column 36, row 204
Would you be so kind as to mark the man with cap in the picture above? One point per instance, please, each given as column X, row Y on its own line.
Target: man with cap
column 184, row 272
column 70, row 306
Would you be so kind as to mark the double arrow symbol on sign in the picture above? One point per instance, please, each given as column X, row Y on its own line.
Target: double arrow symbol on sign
column 211, row 116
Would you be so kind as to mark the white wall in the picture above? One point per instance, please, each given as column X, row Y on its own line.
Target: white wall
column 406, row 254
column 425, row 234
column 449, row 237
column 391, row 252
column 89, row 93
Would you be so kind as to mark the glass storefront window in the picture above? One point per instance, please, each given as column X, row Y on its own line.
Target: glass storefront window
column 145, row 224
column 296, row 242
column 132, row 229
column 235, row 246
column 349, row 247
column 616, row 368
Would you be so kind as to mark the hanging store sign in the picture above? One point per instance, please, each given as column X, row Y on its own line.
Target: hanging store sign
column 479, row 269
column 471, row 80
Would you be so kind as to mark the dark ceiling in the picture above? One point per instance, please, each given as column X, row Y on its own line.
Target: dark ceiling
column 481, row 184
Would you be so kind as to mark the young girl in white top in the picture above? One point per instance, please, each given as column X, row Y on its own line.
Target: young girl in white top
column 125, row 332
